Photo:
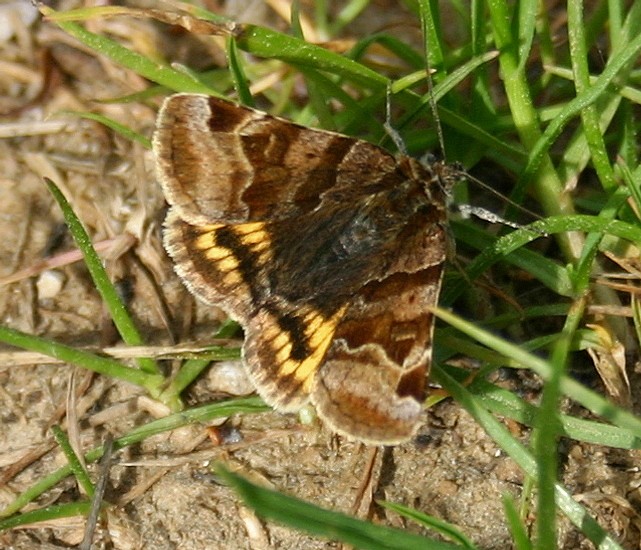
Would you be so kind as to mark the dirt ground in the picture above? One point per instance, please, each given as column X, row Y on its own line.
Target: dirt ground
column 163, row 490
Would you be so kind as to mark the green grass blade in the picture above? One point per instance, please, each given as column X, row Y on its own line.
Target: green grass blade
column 141, row 65
column 547, row 186
column 505, row 403
column 121, row 129
column 591, row 128
column 304, row 516
column 588, row 398
column 241, row 84
column 317, row 99
column 515, row 524
column 76, row 466
column 601, row 86
column 191, row 370
column 527, row 13
column 447, row 530
column 573, row 510
column 269, row 44
column 555, row 224
column 432, row 37
column 548, row 272
column 48, row 513
column 402, row 50
column 548, row 430
column 86, row 360
column 117, row 309
column 204, row 413
column 348, row 12
column 507, row 154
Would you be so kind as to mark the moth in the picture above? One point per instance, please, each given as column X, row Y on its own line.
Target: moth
column 327, row 249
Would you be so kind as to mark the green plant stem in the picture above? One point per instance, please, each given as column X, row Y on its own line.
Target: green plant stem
column 117, row 309
column 548, row 430
column 68, row 354
column 76, row 466
column 547, row 187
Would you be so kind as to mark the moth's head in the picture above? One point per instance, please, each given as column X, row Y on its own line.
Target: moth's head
column 446, row 174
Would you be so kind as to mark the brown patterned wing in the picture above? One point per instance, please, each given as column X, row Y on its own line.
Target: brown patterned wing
column 326, row 249
column 219, row 162
column 364, row 367
column 223, row 265
column 358, row 338
column 372, row 382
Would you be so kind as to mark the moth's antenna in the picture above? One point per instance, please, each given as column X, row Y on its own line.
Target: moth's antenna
column 393, row 133
column 389, row 129
column 433, row 107
column 467, row 209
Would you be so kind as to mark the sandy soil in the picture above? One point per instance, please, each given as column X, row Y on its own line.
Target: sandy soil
column 163, row 493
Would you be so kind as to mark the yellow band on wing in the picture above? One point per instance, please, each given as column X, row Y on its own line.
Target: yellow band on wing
column 319, row 332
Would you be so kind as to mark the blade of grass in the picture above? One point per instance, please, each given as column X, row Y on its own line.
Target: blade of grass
column 190, row 370
column 591, row 128
column 601, row 86
column 446, row 85
column 241, row 85
column 397, row 47
column 172, row 79
column 76, row 466
column 121, row 129
column 84, row 359
column 548, row 430
column 306, row 517
column 117, row 309
column 269, row 44
column 432, row 37
column 48, row 513
column 548, row 272
column 527, row 11
column 348, row 12
column 505, row 153
column 445, row 529
column 627, row 91
column 509, row 243
column 515, row 524
column 547, row 186
column 504, row 403
column 588, row 398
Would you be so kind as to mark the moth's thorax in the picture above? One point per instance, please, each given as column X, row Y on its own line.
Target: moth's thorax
column 437, row 177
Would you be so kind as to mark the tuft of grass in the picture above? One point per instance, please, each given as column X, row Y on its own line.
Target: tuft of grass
column 543, row 92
